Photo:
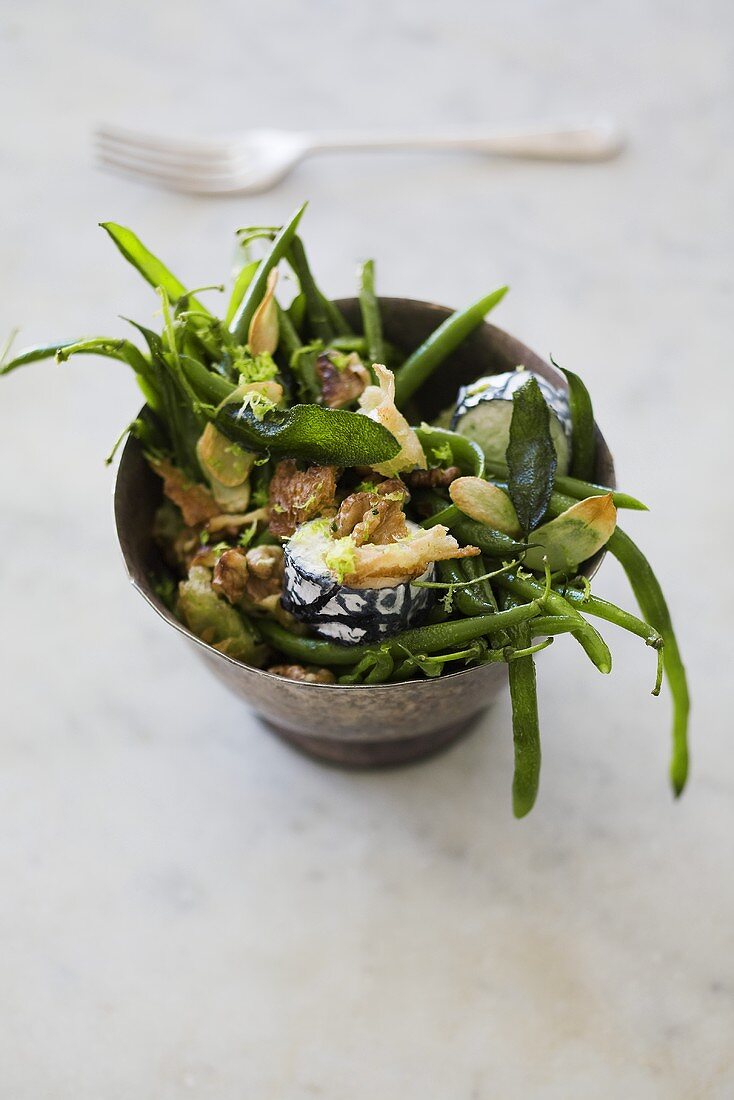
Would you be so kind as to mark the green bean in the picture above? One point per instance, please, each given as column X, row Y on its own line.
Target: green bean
column 529, row 588
column 316, row 312
column 41, row 351
column 446, row 516
column 149, row 266
column 359, row 344
column 288, row 339
column 473, row 591
column 580, row 490
column 649, row 596
column 303, row 364
column 440, row 344
column 370, row 309
column 468, row 600
column 339, row 322
column 209, row 387
column 483, row 595
column 349, row 343
column 572, row 489
column 603, row 609
column 240, row 323
column 472, row 569
column 422, row 639
column 125, row 352
column 452, row 448
column 471, row 532
column 583, row 429
column 244, row 277
column 525, row 723
column 297, row 312
column 553, row 624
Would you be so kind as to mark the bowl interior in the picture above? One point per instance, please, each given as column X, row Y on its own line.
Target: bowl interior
column 407, row 323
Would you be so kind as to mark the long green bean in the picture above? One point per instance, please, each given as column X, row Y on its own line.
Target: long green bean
column 288, row 339
column 423, row 639
column 583, row 428
column 553, row 624
column 525, row 723
column 370, row 309
column 471, row 532
column 41, row 351
column 649, row 596
column 317, row 314
column 472, row 569
column 125, row 352
column 468, row 600
column 572, row 487
column 150, row 267
column 603, row 609
column 244, row 277
column 440, row 344
column 528, row 588
column 451, row 449
column 240, row 323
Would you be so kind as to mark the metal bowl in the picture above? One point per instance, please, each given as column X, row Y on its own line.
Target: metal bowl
column 353, row 725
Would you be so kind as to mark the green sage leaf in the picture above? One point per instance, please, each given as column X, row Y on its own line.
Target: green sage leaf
column 326, row 436
column 530, row 456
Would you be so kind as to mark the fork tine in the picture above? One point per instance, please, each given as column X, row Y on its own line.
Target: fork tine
column 189, row 182
column 148, row 161
column 116, row 135
column 148, row 151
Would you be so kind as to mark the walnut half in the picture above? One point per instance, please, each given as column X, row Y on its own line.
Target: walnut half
column 343, row 378
column 298, row 495
column 437, row 478
column 255, row 575
column 374, row 516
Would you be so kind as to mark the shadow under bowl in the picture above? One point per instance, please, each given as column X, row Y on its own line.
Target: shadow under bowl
column 357, row 725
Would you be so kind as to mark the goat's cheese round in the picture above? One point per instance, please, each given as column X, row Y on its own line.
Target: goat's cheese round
column 313, row 594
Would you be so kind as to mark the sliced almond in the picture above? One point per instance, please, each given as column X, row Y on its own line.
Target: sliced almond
column 264, row 330
column 486, row 503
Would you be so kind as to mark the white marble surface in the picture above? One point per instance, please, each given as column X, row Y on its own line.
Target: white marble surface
column 188, row 908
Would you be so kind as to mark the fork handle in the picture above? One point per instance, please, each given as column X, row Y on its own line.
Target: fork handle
column 598, row 140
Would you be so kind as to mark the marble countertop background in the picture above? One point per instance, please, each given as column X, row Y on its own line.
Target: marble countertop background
column 190, row 909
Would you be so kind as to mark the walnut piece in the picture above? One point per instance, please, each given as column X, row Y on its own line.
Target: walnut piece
column 255, row 575
column 343, row 379
column 265, row 565
column 374, row 516
column 307, row 675
column 437, row 478
column 231, row 574
column 298, row 495
column 195, row 501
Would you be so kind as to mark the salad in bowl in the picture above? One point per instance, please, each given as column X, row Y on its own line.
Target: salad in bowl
column 342, row 509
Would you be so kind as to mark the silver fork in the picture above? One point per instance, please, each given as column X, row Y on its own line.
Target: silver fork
column 258, row 159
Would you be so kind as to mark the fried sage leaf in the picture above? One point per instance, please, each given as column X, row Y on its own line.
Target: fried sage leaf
column 310, row 432
column 531, row 456
column 577, row 534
